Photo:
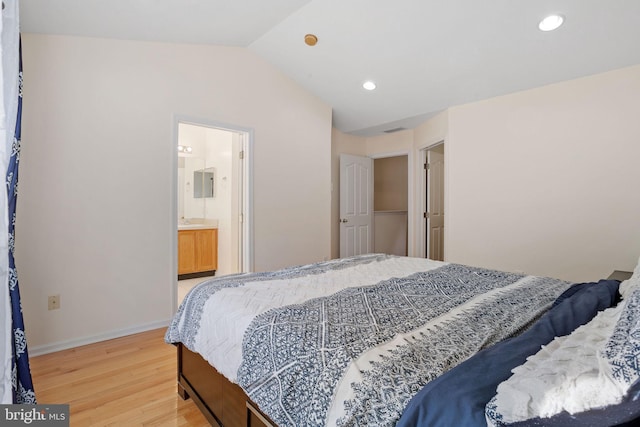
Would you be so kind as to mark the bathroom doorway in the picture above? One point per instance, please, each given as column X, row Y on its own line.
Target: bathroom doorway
column 212, row 202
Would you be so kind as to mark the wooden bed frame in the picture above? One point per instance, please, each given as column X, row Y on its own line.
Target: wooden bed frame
column 223, row 403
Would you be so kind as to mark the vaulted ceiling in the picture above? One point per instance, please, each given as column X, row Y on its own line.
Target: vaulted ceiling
column 424, row 55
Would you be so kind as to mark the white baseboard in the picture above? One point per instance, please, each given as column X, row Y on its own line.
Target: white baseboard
column 64, row 345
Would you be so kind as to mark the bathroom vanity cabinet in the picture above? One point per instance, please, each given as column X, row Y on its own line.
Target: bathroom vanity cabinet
column 197, row 252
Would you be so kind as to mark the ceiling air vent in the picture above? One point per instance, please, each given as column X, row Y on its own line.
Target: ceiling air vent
column 394, row 130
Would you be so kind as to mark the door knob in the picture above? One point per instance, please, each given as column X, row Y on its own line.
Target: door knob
column 344, row 220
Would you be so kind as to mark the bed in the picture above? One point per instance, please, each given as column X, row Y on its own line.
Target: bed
column 383, row 340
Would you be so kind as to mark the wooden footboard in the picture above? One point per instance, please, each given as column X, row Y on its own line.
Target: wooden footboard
column 223, row 403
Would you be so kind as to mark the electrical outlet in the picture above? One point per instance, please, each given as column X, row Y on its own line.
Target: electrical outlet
column 54, row 302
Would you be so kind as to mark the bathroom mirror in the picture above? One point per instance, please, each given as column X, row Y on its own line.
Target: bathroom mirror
column 203, row 183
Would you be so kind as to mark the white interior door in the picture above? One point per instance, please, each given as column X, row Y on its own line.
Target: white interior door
column 356, row 205
column 435, row 204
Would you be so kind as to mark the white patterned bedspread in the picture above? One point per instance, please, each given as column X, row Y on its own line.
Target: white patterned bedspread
column 348, row 342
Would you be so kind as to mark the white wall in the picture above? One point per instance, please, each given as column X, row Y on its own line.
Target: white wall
column 392, row 143
column 95, row 221
column 545, row 181
column 541, row 181
column 432, row 131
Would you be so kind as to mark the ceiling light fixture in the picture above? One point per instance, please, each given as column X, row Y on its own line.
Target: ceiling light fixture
column 310, row 39
column 369, row 85
column 551, row 22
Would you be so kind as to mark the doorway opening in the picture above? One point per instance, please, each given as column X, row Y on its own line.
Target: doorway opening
column 374, row 200
column 433, row 204
column 212, row 202
column 390, row 204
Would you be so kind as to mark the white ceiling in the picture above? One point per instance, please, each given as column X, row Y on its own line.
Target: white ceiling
column 424, row 55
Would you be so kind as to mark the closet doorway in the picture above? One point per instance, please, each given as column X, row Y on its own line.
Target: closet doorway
column 390, row 204
column 212, row 202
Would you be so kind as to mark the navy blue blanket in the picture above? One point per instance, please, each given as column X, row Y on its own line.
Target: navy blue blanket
column 458, row 397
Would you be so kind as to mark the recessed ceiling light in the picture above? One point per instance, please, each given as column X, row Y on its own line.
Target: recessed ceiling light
column 311, row 39
column 369, row 85
column 551, row 22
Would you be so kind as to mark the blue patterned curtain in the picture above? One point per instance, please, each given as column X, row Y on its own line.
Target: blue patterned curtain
column 21, row 375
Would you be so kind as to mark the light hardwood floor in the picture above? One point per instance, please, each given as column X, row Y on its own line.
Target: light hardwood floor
column 129, row 381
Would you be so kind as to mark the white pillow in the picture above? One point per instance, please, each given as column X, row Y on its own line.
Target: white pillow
column 627, row 286
column 593, row 367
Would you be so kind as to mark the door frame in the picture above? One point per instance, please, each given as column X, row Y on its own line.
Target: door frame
column 422, row 239
column 247, row 138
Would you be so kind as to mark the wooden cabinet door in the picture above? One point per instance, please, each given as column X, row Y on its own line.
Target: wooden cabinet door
column 207, row 249
column 187, row 251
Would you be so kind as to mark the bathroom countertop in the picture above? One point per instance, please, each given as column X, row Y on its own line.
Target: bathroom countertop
column 199, row 225
column 195, row 226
